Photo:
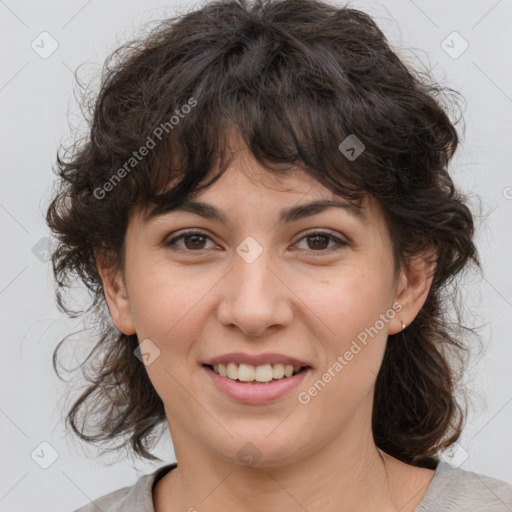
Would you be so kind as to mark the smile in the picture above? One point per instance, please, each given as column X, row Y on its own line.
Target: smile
column 250, row 373
column 253, row 391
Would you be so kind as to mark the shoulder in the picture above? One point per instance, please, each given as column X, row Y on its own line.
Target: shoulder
column 111, row 502
column 457, row 490
column 135, row 498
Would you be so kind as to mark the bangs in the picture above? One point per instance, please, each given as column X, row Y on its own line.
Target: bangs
column 198, row 152
column 323, row 93
column 259, row 92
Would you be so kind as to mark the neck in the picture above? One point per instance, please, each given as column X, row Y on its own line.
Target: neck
column 337, row 476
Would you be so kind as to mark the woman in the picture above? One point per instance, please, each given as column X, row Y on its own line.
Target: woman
column 263, row 204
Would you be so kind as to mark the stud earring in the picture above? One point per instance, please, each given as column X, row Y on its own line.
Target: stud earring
column 404, row 325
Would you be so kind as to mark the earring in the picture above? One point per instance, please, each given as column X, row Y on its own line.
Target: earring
column 403, row 325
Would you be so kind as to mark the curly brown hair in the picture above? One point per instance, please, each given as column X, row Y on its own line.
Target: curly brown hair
column 295, row 78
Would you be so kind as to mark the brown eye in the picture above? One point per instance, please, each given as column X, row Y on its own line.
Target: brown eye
column 194, row 241
column 318, row 241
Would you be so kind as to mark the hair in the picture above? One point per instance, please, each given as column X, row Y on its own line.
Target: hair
column 294, row 79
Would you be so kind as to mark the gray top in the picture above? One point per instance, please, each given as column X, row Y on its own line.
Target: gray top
column 451, row 490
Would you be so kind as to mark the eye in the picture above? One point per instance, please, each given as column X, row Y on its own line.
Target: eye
column 194, row 241
column 319, row 240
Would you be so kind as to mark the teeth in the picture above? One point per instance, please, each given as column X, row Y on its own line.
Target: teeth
column 278, row 371
column 246, row 372
column 233, row 371
column 249, row 373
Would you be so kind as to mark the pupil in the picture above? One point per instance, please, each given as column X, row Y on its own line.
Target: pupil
column 195, row 237
column 316, row 237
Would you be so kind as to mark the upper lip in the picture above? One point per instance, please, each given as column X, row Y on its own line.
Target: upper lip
column 255, row 360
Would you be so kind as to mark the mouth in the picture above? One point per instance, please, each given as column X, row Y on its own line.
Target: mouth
column 255, row 385
column 251, row 374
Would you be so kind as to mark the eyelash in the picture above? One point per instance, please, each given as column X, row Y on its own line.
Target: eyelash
column 308, row 234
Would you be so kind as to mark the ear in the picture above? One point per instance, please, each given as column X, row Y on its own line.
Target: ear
column 414, row 285
column 117, row 298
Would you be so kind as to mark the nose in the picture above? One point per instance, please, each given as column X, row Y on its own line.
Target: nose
column 255, row 297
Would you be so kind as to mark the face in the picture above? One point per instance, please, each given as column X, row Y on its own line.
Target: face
column 318, row 288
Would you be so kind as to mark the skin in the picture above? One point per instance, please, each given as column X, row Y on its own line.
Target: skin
column 304, row 299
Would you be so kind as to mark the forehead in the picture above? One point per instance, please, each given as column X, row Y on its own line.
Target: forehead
column 245, row 190
column 246, row 184
column 295, row 191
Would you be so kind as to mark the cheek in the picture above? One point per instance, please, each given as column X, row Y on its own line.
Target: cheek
column 353, row 344
column 351, row 350
column 164, row 305
column 167, row 309
column 156, row 291
column 349, row 303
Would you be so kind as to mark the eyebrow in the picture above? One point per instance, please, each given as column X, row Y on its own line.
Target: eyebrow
column 286, row 215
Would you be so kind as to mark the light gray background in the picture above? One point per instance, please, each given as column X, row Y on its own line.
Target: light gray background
column 36, row 99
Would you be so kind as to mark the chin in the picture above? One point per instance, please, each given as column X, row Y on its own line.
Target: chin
column 259, row 449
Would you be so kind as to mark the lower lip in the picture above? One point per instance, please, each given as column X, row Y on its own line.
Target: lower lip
column 256, row 393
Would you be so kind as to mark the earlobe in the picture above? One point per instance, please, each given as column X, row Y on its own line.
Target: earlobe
column 117, row 298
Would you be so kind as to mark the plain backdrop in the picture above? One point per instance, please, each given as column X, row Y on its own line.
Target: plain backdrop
column 466, row 43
